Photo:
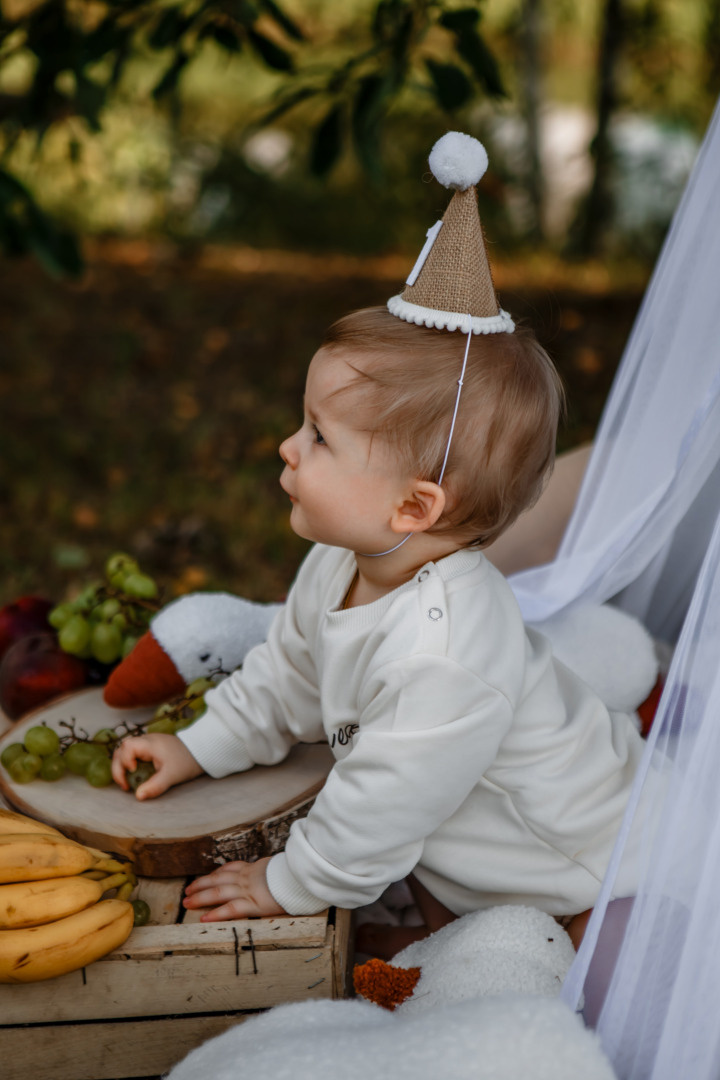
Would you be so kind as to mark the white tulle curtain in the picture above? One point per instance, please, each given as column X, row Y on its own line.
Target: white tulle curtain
column 660, row 1014
column 652, row 491
column 646, row 532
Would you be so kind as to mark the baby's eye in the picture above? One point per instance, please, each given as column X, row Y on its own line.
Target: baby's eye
column 318, row 436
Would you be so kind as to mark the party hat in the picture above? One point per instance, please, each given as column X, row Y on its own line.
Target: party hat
column 451, row 286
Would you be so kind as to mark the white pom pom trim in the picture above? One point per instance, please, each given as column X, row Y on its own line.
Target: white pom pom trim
column 458, row 160
column 501, row 323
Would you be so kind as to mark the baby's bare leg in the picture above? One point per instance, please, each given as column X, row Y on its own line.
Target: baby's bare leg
column 384, row 942
column 435, row 915
column 577, row 926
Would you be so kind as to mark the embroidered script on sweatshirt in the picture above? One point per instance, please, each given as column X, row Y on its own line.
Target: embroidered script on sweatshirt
column 344, row 735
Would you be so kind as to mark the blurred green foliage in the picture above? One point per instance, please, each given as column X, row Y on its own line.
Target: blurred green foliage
column 235, row 119
column 79, row 54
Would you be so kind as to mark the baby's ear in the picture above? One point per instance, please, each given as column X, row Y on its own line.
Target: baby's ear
column 423, row 504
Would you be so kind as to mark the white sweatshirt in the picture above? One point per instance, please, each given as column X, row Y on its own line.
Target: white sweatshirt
column 464, row 752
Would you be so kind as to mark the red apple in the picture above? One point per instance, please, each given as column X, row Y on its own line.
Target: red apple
column 24, row 616
column 35, row 670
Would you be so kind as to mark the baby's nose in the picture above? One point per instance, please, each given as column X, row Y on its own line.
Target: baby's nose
column 288, row 452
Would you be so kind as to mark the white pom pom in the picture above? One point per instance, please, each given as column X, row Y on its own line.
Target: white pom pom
column 458, row 160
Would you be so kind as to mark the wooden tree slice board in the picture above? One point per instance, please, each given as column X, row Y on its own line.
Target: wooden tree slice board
column 188, row 830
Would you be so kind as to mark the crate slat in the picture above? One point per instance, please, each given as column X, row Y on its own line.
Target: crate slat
column 290, row 929
column 203, row 938
column 101, row 1051
column 184, row 983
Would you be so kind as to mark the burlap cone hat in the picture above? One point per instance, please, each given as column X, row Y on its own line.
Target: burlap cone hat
column 451, row 287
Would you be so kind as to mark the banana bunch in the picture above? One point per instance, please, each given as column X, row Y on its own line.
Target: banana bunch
column 52, row 917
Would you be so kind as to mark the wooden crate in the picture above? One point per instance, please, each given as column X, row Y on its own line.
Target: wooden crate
column 171, row 986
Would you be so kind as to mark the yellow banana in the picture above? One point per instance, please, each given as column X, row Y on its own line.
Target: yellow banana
column 109, row 865
column 42, row 952
column 10, row 822
column 32, row 903
column 125, row 891
column 33, row 856
column 113, row 881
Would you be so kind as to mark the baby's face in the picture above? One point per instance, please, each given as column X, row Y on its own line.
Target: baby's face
column 343, row 483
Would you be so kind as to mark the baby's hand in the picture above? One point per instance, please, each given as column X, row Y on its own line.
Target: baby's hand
column 239, row 888
column 172, row 760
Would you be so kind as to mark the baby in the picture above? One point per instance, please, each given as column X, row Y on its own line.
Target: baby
column 465, row 755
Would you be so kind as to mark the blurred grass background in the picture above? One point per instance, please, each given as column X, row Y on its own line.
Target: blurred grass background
column 143, row 403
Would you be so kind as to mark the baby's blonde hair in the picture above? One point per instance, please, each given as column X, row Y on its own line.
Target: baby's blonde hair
column 503, row 447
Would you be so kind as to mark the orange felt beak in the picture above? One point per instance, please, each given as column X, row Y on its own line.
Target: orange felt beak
column 647, row 710
column 147, row 676
column 383, row 983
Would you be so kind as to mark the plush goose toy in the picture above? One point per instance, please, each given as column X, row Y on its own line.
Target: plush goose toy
column 485, row 1008
column 499, row 950
column 201, row 634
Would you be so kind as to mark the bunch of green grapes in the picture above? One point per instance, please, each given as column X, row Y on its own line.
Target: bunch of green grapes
column 182, row 711
column 45, row 756
column 169, row 718
column 109, row 616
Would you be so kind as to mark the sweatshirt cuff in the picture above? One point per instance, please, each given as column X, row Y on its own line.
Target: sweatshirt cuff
column 218, row 751
column 292, row 897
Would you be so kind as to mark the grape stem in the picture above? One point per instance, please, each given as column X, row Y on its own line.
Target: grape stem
column 110, row 592
column 78, row 735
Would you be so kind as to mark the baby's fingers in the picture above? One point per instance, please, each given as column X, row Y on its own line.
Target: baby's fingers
column 239, row 908
column 123, row 759
column 210, row 896
column 154, row 786
column 227, row 874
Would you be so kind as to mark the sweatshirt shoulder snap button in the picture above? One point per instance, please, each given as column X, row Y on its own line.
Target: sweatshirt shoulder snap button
column 423, row 574
column 435, row 613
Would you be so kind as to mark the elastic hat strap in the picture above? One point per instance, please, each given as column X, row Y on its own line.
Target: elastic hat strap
column 468, row 324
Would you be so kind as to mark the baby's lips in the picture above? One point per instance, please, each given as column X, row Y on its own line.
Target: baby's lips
column 147, row 676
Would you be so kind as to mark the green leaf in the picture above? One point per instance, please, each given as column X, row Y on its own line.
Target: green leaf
column 370, row 106
column 122, row 5
column 460, row 22
column 121, row 58
column 56, row 250
column 51, row 38
column 11, row 189
column 284, row 21
column 170, row 28
column 452, row 86
column 25, row 228
column 475, row 52
column 287, row 102
column 70, row 556
column 244, row 11
column 369, row 101
column 388, row 18
column 104, row 39
column 168, row 83
column 89, row 100
column 272, row 54
column 327, row 143
column 224, row 35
